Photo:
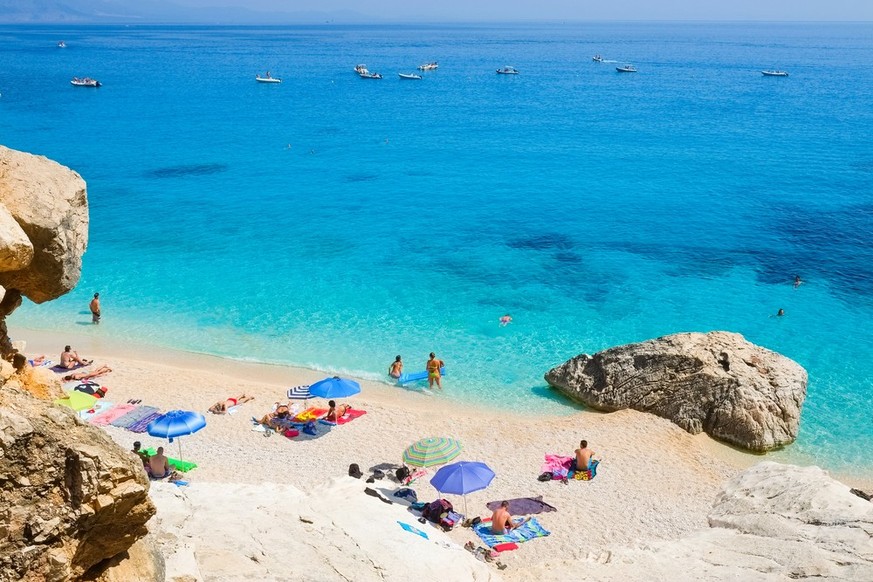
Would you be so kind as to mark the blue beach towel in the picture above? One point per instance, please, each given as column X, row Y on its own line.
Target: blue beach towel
column 412, row 529
column 532, row 529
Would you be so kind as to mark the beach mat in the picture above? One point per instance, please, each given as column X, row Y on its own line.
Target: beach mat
column 142, row 424
column 310, row 414
column 530, row 530
column 134, row 416
column 106, row 418
column 413, row 529
column 183, row 466
column 346, row 418
column 60, row 369
column 524, row 506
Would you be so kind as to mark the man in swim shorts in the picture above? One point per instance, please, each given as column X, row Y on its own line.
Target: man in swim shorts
column 159, row 465
column 433, row 371
column 95, row 308
column 501, row 520
column 583, row 458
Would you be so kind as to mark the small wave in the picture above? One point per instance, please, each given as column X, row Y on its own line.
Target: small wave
column 187, row 170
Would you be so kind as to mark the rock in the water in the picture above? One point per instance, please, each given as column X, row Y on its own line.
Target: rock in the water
column 771, row 523
column 49, row 205
column 715, row 382
column 70, row 498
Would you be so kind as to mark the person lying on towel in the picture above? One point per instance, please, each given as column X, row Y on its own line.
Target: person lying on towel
column 501, row 520
column 276, row 420
column 335, row 412
column 222, row 406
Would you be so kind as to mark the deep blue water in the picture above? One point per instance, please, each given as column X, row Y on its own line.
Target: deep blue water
column 597, row 208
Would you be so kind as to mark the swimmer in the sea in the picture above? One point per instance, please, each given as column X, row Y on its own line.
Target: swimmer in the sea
column 797, row 281
column 505, row 320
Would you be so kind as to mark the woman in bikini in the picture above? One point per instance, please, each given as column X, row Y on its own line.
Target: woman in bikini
column 396, row 368
column 101, row 371
column 221, row 407
column 336, row 412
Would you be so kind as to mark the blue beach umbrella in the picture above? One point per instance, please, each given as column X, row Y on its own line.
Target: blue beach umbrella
column 335, row 387
column 462, row 478
column 176, row 423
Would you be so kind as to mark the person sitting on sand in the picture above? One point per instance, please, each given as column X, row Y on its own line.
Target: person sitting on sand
column 335, row 412
column 144, row 456
column 159, row 465
column 221, row 407
column 101, row 371
column 71, row 359
column 583, row 459
column 277, row 419
column 501, row 520
column 396, row 368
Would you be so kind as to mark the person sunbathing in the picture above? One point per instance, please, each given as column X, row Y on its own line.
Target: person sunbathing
column 158, row 466
column 501, row 520
column 335, row 412
column 221, row 407
column 277, row 419
column 71, row 359
column 101, row 371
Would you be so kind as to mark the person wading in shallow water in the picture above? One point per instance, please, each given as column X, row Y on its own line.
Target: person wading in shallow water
column 95, row 308
column 433, row 371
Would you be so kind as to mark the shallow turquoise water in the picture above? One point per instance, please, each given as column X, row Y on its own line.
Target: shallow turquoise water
column 597, row 208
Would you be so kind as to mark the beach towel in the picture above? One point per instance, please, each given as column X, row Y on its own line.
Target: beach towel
column 530, row 530
column 100, row 407
column 308, row 415
column 349, row 416
column 412, row 529
column 142, row 424
column 525, row 506
column 183, row 466
column 134, row 416
column 60, row 369
column 418, row 474
column 105, row 418
column 557, row 465
column 588, row 475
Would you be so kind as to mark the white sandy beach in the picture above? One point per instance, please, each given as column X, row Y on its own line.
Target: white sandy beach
column 656, row 482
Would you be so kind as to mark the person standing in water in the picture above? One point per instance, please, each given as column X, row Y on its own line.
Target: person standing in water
column 433, row 371
column 780, row 313
column 95, row 309
column 396, row 368
column 797, row 281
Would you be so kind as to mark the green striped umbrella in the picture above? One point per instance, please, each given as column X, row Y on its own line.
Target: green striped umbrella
column 431, row 451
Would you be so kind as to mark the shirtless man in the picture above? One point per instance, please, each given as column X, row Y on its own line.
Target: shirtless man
column 583, row 457
column 159, row 466
column 144, row 456
column 396, row 368
column 501, row 520
column 70, row 359
column 95, row 308
column 433, row 371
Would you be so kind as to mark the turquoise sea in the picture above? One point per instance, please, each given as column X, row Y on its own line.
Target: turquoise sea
column 334, row 222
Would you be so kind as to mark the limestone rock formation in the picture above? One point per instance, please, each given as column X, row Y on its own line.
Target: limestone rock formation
column 715, row 382
column 771, row 523
column 43, row 225
column 70, row 498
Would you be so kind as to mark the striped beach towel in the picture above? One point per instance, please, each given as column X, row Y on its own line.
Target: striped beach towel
column 134, row 416
column 530, row 530
column 142, row 424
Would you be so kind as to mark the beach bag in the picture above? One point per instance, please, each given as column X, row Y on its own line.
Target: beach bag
column 355, row 471
column 310, row 428
column 435, row 509
column 450, row 520
column 401, row 474
column 291, row 433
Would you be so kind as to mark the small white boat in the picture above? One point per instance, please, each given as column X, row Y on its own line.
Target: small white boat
column 62, row 44
column 85, row 82
column 774, row 73
column 411, row 76
column 267, row 79
column 361, row 69
column 626, row 69
column 507, row 71
column 597, row 59
column 369, row 75
column 429, row 66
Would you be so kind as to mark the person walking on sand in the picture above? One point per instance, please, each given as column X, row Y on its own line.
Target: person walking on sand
column 396, row 368
column 95, row 309
column 433, row 371
column 584, row 455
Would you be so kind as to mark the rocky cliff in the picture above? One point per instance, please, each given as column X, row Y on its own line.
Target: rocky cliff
column 715, row 382
column 71, row 501
column 771, row 523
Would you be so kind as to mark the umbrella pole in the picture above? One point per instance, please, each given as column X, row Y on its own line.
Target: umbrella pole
column 465, row 507
column 180, row 448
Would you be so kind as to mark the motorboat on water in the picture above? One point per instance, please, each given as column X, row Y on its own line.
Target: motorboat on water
column 507, row 71
column 62, row 44
column 268, row 78
column 429, row 66
column 410, row 76
column 85, row 82
column 626, row 69
column 369, row 75
column 361, row 69
column 774, row 73
column 597, row 59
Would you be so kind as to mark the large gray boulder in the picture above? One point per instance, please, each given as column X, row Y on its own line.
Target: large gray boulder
column 771, row 523
column 715, row 382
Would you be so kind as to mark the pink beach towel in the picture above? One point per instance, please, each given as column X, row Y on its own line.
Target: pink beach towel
column 104, row 418
column 557, row 465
